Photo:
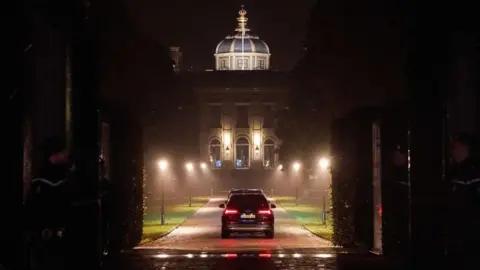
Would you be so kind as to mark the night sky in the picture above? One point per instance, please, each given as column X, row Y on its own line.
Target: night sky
column 198, row 26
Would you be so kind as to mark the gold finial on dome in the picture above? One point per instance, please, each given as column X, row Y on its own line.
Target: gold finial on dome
column 242, row 21
column 242, row 11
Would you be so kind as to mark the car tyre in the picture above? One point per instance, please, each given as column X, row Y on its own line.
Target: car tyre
column 270, row 234
column 225, row 234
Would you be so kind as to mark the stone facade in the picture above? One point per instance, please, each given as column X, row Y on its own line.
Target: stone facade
column 237, row 123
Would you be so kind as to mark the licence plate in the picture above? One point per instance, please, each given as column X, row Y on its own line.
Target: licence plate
column 247, row 216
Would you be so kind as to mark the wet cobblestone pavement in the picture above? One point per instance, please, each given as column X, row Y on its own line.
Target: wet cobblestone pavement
column 197, row 244
column 202, row 232
column 291, row 260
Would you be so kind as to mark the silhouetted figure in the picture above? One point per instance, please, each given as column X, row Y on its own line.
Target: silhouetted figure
column 47, row 207
column 105, row 197
column 464, row 191
column 399, row 202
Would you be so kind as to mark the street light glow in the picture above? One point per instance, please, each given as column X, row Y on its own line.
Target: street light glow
column 296, row 166
column 189, row 166
column 162, row 164
column 324, row 163
column 203, row 165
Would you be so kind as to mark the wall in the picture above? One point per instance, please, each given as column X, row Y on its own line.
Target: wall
column 229, row 119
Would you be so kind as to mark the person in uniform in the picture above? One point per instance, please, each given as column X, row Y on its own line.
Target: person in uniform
column 46, row 207
column 464, row 202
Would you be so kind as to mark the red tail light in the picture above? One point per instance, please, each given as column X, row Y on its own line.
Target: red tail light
column 230, row 255
column 265, row 255
column 265, row 212
column 230, row 212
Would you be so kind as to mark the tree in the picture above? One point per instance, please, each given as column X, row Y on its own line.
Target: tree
column 354, row 51
column 304, row 126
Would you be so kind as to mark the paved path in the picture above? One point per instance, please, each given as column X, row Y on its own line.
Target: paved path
column 202, row 232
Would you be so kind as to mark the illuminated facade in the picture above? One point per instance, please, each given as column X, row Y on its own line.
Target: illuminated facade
column 238, row 111
column 238, row 104
column 242, row 50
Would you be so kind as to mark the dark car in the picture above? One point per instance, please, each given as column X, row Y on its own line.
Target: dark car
column 245, row 190
column 249, row 213
column 236, row 191
column 255, row 191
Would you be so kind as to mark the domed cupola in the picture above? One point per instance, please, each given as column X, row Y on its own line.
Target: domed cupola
column 242, row 50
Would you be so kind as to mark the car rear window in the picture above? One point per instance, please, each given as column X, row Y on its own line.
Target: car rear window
column 245, row 191
column 248, row 200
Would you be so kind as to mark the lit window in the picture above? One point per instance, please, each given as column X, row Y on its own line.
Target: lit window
column 223, row 64
column 215, row 152
column 269, row 153
column 242, row 63
column 261, row 64
column 242, row 153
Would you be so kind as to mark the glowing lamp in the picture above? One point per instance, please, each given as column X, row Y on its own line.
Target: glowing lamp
column 296, row 166
column 162, row 164
column 324, row 163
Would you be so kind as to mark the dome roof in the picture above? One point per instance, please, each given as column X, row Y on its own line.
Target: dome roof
column 242, row 41
column 247, row 44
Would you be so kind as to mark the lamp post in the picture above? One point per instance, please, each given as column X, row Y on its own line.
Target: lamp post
column 296, row 169
column 324, row 210
column 324, row 164
column 203, row 167
column 163, row 165
column 189, row 168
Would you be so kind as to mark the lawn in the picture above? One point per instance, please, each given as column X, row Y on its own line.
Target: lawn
column 308, row 215
column 175, row 214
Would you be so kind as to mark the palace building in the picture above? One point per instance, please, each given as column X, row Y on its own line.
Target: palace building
column 238, row 101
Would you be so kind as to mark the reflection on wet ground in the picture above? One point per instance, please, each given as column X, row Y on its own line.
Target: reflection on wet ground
column 267, row 259
column 202, row 232
column 197, row 245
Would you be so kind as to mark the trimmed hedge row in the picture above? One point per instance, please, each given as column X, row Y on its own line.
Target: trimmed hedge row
column 127, row 173
column 352, row 175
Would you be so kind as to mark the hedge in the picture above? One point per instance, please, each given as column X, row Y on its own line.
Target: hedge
column 127, row 176
column 352, row 174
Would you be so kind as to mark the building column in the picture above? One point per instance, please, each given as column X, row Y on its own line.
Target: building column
column 257, row 136
column 228, row 138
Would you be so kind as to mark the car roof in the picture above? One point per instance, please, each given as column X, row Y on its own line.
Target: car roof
column 237, row 191
column 247, row 195
column 246, row 191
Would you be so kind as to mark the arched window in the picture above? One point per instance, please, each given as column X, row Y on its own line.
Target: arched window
column 242, row 153
column 269, row 153
column 215, row 153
